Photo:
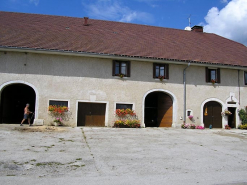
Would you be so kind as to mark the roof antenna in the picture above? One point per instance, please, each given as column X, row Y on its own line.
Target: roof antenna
column 189, row 20
column 188, row 28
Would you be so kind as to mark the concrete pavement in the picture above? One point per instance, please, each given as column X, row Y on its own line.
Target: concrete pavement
column 121, row 156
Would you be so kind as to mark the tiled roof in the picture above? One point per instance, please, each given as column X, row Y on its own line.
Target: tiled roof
column 116, row 38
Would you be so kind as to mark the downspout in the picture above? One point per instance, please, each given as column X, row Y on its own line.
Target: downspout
column 184, row 118
column 238, row 88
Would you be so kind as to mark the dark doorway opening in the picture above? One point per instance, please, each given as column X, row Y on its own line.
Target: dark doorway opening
column 13, row 101
column 91, row 114
column 212, row 114
column 158, row 110
column 232, row 117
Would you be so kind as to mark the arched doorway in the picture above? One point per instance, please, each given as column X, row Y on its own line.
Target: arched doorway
column 158, row 111
column 212, row 114
column 14, row 97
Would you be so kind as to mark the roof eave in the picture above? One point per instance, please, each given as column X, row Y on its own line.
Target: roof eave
column 116, row 57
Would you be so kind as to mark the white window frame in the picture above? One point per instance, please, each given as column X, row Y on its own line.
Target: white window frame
column 115, row 105
column 48, row 103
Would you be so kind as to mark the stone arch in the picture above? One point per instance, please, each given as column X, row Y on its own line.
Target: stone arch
column 20, row 82
column 174, row 104
column 213, row 100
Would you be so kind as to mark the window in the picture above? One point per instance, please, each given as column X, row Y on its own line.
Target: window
column 212, row 74
column 161, row 70
column 245, row 78
column 121, row 67
column 59, row 103
column 188, row 113
column 124, row 106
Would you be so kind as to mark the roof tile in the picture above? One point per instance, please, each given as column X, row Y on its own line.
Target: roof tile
column 116, row 38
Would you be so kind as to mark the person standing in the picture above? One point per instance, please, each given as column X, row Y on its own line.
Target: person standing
column 26, row 115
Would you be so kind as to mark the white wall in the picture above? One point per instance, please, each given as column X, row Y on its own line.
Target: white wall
column 80, row 78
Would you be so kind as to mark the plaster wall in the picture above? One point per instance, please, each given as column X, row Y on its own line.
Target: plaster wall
column 76, row 79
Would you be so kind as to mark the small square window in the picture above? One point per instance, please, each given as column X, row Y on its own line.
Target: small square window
column 245, row 78
column 188, row 113
column 121, row 67
column 58, row 103
column 161, row 70
column 213, row 74
column 124, row 106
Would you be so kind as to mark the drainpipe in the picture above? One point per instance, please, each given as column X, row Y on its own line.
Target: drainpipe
column 184, row 118
column 238, row 89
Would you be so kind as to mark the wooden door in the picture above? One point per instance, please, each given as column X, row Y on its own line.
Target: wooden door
column 91, row 114
column 165, row 110
column 212, row 115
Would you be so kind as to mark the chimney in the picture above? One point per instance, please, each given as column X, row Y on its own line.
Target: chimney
column 85, row 21
column 197, row 29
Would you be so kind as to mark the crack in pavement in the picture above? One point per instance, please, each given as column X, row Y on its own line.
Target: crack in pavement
column 89, row 148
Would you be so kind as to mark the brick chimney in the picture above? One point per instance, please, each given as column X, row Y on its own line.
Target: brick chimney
column 85, row 23
column 197, row 29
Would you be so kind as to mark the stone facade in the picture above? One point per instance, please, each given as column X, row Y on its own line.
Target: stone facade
column 89, row 79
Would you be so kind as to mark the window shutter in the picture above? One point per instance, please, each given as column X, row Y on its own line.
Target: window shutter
column 113, row 68
column 218, row 75
column 167, row 71
column 206, row 75
column 128, row 68
column 245, row 78
column 154, row 68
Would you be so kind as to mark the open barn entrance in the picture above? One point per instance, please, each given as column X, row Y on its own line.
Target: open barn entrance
column 158, row 110
column 13, row 100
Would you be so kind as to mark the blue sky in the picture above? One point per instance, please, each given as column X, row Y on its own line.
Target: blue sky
column 163, row 13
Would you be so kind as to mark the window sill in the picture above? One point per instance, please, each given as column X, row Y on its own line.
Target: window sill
column 125, row 77
column 156, row 79
column 213, row 84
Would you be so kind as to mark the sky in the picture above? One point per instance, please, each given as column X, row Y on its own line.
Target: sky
column 227, row 18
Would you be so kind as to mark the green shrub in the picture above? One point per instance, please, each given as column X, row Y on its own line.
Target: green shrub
column 243, row 127
column 243, row 116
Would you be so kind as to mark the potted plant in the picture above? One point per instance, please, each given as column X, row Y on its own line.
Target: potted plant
column 124, row 112
column 226, row 113
column 126, row 118
column 121, row 75
column 58, row 113
column 161, row 78
column 213, row 81
column 190, row 117
column 227, row 127
column 58, row 122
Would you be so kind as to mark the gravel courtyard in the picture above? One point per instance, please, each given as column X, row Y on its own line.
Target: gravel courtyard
column 60, row 155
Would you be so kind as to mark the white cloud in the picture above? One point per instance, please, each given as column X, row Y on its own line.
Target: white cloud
column 224, row 1
column 229, row 22
column 36, row 2
column 115, row 10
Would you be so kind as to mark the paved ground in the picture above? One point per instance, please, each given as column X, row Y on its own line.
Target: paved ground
column 41, row 155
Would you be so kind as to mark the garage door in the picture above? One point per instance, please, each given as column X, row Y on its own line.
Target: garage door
column 91, row 114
